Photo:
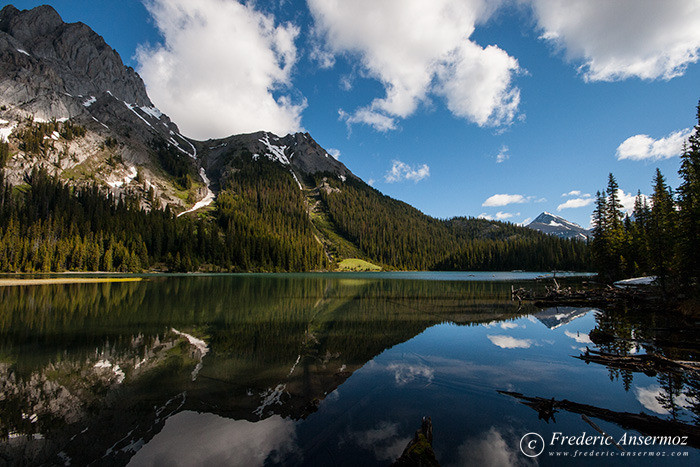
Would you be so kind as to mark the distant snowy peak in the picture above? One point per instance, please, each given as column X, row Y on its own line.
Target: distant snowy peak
column 558, row 226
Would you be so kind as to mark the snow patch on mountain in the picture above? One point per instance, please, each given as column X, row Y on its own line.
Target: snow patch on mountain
column 276, row 153
column 208, row 198
column 133, row 172
column 554, row 225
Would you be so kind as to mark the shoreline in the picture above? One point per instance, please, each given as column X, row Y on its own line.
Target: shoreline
column 65, row 280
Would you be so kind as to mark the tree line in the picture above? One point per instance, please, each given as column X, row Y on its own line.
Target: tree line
column 394, row 233
column 662, row 236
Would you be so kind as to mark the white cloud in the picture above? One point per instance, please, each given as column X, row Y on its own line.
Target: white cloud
column 508, row 342
column 371, row 182
column 643, row 147
column 499, row 216
column 335, row 153
column 627, row 201
column 190, row 438
column 581, row 338
column 378, row 121
column 346, row 83
column 616, row 40
column 221, row 68
column 416, row 49
column 405, row 373
column 504, row 200
column 575, row 203
column 509, row 325
column 572, row 193
column 525, row 221
column 491, row 449
column 401, row 171
column 650, row 395
column 502, row 155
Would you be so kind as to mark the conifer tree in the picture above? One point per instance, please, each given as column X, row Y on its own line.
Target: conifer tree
column 689, row 210
column 661, row 229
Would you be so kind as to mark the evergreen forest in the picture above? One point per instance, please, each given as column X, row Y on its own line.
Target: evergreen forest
column 662, row 236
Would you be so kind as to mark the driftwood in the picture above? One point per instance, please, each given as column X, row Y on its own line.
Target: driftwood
column 562, row 296
column 641, row 422
column 419, row 451
column 649, row 364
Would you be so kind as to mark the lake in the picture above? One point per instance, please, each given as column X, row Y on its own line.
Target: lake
column 331, row 369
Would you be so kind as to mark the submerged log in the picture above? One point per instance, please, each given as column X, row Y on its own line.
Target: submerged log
column 641, row 422
column 649, row 364
column 419, row 451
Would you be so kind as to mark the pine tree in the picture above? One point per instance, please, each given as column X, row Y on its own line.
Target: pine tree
column 661, row 229
column 689, row 211
column 614, row 231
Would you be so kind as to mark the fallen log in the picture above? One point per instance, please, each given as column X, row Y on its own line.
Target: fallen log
column 560, row 296
column 649, row 364
column 640, row 422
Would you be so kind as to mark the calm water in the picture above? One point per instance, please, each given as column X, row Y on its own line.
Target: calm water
column 320, row 369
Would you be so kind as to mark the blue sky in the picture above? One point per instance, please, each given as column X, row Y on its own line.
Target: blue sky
column 443, row 104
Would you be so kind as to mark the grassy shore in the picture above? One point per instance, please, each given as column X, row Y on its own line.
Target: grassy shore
column 65, row 280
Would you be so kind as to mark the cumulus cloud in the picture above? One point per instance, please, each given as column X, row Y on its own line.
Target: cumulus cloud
column 190, row 438
column 575, row 203
column 644, row 147
column 572, row 193
column 221, row 68
column 581, row 338
column 615, row 40
column 378, row 121
column 651, row 396
column 499, row 216
column 502, row 155
column 405, row 373
column 417, row 49
column 504, row 200
column 508, row 342
column 401, row 171
column 491, row 448
column 627, row 201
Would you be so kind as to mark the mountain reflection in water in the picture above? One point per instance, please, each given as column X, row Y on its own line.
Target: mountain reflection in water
column 296, row 369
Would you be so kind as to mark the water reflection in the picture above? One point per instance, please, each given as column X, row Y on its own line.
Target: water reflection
column 307, row 369
column 629, row 332
column 191, row 438
column 93, row 370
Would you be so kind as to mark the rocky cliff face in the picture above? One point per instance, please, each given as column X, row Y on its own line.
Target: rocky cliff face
column 49, row 64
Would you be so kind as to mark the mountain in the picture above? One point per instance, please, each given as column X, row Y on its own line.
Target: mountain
column 92, row 158
column 554, row 225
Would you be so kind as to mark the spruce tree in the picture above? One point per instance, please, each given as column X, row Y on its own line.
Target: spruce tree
column 661, row 229
column 689, row 210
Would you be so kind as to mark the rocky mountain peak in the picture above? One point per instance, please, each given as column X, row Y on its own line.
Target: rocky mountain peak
column 25, row 25
column 48, row 64
column 554, row 225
